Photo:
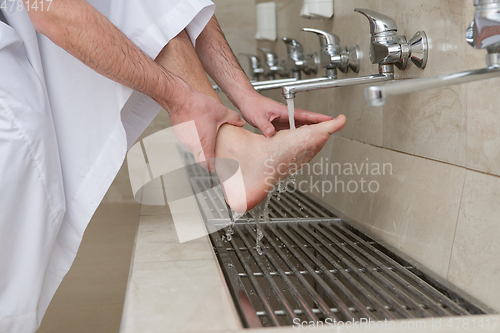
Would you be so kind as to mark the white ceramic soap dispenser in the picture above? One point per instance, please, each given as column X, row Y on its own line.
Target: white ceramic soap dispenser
column 317, row 9
column 266, row 21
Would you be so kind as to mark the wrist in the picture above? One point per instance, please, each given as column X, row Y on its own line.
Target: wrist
column 171, row 91
column 244, row 98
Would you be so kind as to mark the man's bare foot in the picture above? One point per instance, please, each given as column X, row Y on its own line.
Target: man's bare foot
column 263, row 162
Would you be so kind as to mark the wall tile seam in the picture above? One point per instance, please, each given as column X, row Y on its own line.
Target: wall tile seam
column 145, row 263
column 85, row 306
column 456, row 225
column 173, row 261
column 424, row 157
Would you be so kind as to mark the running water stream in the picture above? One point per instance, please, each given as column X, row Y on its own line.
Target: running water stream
column 262, row 210
column 291, row 112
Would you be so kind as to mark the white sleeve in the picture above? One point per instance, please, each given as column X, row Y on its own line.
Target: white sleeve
column 151, row 24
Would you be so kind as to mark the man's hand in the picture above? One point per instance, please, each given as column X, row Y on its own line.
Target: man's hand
column 208, row 115
column 270, row 116
column 221, row 64
column 86, row 34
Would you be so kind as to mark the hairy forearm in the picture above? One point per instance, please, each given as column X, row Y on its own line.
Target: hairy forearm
column 89, row 36
column 220, row 63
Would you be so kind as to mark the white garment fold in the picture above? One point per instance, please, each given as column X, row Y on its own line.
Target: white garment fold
column 64, row 132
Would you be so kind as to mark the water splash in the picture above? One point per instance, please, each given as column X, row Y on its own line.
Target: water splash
column 238, row 216
column 257, row 213
column 292, row 180
column 232, row 222
column 263, row 208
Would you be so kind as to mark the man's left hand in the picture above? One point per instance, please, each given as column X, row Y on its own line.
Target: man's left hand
column 270, row 116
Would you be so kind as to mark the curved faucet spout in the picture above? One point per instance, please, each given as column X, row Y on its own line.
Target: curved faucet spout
column 289, row 91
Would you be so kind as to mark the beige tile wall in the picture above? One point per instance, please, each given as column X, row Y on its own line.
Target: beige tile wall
column 441, row 205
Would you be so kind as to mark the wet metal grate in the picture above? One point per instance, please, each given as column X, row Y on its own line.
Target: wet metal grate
column 317, row 270
column 287, row 206
column 316, row 266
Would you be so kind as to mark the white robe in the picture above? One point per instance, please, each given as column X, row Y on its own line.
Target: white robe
column 64, row 132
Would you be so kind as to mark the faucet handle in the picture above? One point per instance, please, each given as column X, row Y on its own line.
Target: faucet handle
column 379, row 23
column 296, row 60
column 419, row 49
column 255, row 67
column 294, row 49
column 271, row 59
column 333, row 56
column 388, row 49
column 271, row 66
column 325, row 39
column 469, row 34
column 352, row 59
column 253, row 59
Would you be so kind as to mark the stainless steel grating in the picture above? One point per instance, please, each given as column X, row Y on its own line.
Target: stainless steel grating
column 316, row 266
column 287, row 206
column 314, row 270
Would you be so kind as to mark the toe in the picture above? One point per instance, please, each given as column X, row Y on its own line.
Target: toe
column 334, row 125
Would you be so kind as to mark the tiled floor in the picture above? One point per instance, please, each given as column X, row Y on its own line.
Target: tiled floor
column 90, row 298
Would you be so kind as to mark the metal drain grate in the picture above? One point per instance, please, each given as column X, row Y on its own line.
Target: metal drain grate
column 316, row 266
column 315, row 270
column 289, row 205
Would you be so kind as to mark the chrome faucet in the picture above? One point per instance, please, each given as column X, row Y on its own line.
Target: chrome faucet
column 272, row 68
column 387, row 49
column 297, row 62
column 256, row 69
column 483, row 33
column 333, row 57
column 486, row 25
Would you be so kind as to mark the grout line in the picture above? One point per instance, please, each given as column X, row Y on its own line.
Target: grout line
column 423, row 157
column 456, row 226
column 147, row 160
column 86, row 306
column 131, row 268
column 211, row 259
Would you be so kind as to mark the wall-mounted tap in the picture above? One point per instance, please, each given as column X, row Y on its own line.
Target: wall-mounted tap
column 297, row 62
column 333, row 57
column 483, row 33
column 272, row 68
column 486, row 30
column 387, row 49
column 255, row 69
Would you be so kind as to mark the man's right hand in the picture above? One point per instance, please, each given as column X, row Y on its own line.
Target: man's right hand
column 208, row 115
